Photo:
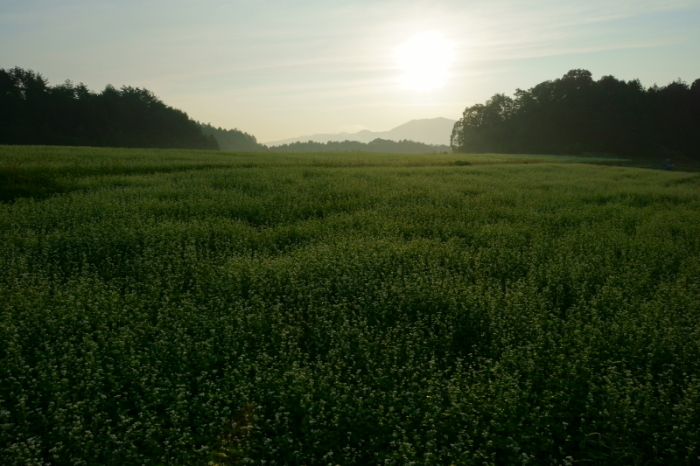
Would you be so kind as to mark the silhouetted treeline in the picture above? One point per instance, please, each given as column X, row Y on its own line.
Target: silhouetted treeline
column 378, row 145
column 576, row 114
column 233, row 139
column 32, row 112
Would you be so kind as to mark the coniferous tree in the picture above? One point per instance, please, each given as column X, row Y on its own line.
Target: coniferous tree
column 233, row 139
column 32, row 112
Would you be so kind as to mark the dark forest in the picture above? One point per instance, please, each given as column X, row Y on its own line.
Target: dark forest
column 32, row 112
column 233, row 139
column 571, row 115
column 575, row 115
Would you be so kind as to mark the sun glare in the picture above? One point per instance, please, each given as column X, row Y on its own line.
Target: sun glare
column 424, row 60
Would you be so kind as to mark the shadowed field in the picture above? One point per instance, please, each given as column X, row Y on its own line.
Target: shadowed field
column 183, row 307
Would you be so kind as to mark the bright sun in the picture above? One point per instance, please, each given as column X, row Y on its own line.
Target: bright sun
column 424, row 60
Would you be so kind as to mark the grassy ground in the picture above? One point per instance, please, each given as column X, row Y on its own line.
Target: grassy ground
column 174, row 307
column 41, row 171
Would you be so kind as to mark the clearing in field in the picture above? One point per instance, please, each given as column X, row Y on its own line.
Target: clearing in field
column 183, row 307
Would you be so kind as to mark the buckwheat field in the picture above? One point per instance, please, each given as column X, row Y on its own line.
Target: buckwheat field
column 195, row 308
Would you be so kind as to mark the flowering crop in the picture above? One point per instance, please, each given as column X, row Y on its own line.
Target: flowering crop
column 183, row 307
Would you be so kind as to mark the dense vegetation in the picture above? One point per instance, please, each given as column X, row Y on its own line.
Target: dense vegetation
column 32, row 112
column 377, row 145
column 233, row 139
column 576, row 114
column 183, row 308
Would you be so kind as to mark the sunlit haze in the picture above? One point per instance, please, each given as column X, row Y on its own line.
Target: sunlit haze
column 287, row 68
column 424, row 60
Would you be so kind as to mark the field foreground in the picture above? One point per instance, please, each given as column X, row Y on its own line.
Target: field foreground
column 184, row 308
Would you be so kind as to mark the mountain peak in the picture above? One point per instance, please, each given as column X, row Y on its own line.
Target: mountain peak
column 427, row 131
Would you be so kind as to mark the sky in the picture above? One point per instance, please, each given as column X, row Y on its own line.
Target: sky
column 280, row 69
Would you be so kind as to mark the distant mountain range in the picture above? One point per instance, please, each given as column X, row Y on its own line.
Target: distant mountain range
column 428, row 131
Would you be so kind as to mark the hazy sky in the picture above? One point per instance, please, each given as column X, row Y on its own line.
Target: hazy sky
column 280, row 69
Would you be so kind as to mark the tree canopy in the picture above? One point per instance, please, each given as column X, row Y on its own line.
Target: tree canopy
column 377, row 145
column 576, row 114
column 233, row 139
column 32, row 112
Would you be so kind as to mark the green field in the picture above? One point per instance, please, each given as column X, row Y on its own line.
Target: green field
column 191, row 308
